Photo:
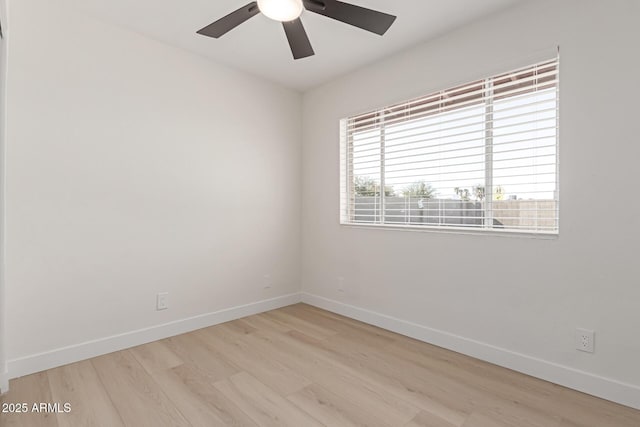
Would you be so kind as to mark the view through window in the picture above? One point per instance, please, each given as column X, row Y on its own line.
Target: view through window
column 478, row 156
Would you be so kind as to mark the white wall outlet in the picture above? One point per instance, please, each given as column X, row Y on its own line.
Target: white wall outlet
column 340, row 284
column 162, row 301
column 266, row 280
column 585, row 340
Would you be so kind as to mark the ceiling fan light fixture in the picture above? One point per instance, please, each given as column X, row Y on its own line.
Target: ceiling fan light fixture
column 281, row 10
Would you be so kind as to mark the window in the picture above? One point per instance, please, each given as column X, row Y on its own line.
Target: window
column 481, row 156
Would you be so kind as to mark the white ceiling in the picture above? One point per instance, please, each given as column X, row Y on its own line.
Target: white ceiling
column 259, row 46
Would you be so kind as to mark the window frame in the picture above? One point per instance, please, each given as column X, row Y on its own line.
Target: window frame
column 488, row 97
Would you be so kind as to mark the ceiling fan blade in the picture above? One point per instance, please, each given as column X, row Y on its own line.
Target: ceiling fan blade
column 229, row 22
column 298, row 39
column 361, row 17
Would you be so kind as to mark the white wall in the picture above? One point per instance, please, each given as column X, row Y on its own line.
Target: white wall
column 135, row 168
column 515, row 301
column 3, row 73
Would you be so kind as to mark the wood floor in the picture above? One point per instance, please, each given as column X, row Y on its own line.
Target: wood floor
column 301, row 366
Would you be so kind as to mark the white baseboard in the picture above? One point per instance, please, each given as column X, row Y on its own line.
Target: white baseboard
column 606, row 388
column 86, row 350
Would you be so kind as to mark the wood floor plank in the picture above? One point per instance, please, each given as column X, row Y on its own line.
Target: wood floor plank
column 464, row 394
column 261, row 322
column 430, row 390
column 426, row 419
column 195, row 353
column 301, row 325
column 263, row 405
column 240, row 326
column 584, row 410
column 194, row 385
column 407, row 389
column 333, row 410
column 268, row 370
column 72, row 384
column 305, row 308
column 332, row 376
column 138, row 398
column 473, row 371
column 31, row 389
column 485, row 419
column 481, row 420
column 427, row 393
column 156, row 356
column 432, row 385
column 354, row 329
column 198, row 411
column 160, row 366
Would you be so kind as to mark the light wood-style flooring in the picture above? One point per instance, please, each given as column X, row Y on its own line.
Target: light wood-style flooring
column 301, row 366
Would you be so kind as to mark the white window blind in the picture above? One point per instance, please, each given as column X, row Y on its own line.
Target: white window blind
column 483, row 155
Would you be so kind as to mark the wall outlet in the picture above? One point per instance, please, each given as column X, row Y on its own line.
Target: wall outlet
column 162, row 301
column 585, row 340
column 266, row 280
column 340, row 284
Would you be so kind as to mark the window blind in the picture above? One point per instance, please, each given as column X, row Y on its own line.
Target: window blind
column 482, row 155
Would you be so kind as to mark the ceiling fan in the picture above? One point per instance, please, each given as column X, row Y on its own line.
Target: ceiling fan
column 288, row 12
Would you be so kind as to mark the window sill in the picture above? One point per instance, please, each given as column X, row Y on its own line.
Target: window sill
column 455, row 230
